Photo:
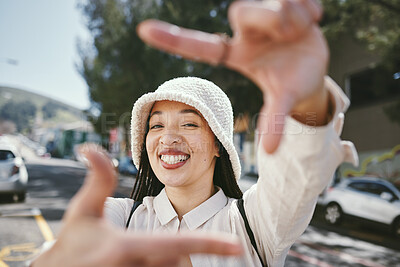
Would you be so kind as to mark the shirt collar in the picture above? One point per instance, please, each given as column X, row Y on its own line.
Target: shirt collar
column 163, row 208
column 205, row 210
column 194, row 218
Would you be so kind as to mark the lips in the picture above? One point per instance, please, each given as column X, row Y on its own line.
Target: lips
column 172, row 159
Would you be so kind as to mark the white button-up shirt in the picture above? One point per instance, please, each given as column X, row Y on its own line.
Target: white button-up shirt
column 279, row 207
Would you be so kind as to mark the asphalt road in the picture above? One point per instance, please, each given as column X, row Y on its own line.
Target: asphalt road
column 25, row 226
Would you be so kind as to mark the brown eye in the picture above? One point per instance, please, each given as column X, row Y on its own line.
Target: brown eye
column 191, row 125
column 156, row 126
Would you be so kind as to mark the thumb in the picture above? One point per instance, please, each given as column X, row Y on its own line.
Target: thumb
column 271, row 122
column 100, row 183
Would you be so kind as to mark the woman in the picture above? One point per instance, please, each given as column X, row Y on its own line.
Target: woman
column 182, row 139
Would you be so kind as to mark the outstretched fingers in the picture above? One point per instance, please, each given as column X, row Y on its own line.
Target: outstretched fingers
column 170, row 248
column 99, row 183
column 190, row 44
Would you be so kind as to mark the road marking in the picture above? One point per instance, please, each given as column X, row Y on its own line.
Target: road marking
column 27, row 247
column 18, row 250
column 4, row 252
column 44, row 228
column 37, row 214
column 309, row 259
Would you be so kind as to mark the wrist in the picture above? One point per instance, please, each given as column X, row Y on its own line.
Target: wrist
column 316, row 110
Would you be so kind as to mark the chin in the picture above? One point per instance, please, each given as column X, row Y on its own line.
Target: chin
column 171, row 184
column 171, row 180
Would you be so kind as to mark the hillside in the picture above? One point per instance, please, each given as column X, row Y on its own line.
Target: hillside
column 44, row 110
column 19, row 95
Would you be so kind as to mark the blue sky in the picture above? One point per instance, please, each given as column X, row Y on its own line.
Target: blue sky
column 42, row 36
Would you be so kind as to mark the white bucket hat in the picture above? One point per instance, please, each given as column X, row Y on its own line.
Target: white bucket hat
column 201, row 94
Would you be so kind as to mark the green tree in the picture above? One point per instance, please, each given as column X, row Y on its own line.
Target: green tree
column 375, row 23
column 120, row 67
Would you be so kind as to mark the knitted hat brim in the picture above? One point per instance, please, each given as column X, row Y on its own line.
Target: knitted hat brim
column 140, row 114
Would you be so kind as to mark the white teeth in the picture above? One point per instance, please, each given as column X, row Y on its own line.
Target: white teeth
column 173, row 159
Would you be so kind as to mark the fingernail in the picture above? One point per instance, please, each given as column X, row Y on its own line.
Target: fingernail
column 81, row 157
column 273, row 5
column 174, row 30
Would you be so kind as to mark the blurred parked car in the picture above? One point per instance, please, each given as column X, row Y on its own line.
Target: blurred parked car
column 368, row 198
column 13, row 174
column 126, row 166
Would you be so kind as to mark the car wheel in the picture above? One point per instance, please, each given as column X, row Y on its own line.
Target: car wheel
column 333, row 214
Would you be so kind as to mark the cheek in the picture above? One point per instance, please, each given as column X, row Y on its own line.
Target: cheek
column 203, row 144
column 151, row 143
column 197, row 144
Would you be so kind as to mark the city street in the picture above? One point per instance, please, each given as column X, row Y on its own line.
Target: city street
column 25, row 226
column 200, row 93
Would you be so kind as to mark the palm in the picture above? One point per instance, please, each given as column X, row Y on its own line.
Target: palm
column 277, row 66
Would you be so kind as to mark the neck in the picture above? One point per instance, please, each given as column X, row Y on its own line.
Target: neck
column 184, row 200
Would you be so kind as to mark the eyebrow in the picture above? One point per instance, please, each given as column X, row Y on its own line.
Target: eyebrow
column 189, row 110
column 183, row 111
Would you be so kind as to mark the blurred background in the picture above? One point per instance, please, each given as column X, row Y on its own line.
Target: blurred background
column 70, row 72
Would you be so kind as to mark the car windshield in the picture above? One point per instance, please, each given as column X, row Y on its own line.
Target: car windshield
column 6, row 154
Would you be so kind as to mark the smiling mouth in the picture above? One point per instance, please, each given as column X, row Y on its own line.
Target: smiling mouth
column 174, row 159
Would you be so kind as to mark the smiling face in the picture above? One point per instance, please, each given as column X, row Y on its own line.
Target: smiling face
column 181, row 146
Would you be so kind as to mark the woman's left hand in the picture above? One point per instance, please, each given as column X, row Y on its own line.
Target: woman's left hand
column 277, row 44
column 87, row 239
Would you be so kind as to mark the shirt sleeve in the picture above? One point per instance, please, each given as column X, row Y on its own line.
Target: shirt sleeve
column 280, row 206
column 116, row 210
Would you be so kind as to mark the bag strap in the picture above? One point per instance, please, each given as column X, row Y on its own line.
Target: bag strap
column 134, row 207
column 250, row 234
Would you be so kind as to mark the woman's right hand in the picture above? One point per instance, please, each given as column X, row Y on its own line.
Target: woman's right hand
column 87, row 239
column 275, row 43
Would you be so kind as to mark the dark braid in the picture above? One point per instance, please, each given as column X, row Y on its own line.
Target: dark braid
column 146, row 184
column 224, row 176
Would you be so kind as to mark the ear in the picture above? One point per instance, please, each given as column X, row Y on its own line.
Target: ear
column 217, row 148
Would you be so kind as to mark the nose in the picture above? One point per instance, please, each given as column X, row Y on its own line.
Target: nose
column 170, row 139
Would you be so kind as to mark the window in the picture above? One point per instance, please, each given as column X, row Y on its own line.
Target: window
column 378, row 189
column 373, row 85
column 359, row 186
column 6, row 154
